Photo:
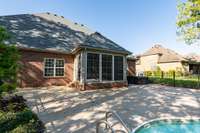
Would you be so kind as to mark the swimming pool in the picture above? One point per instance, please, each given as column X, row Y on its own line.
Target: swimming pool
column 170, row 126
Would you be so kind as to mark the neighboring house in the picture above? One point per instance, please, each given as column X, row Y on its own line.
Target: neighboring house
column 56, row 51
column 194, row 63
column 165, row 59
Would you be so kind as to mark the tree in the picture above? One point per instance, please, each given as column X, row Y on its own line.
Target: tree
column 188, row 20
column 9, row 57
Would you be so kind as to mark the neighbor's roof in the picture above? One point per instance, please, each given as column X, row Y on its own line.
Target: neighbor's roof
column 46, row 31
column 166, row 55
column 193, row 57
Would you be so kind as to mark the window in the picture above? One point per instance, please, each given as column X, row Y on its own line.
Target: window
column 106, row 67
column 112, row 67
column 59, row 69
column 54, row 67
column 92, row 66
column 118, row 68
column 49, row 67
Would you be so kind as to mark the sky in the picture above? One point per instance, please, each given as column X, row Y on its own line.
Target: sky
column 134, row 24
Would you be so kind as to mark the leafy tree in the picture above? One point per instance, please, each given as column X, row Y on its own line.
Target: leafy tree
column 188, row 20
column 9, row 57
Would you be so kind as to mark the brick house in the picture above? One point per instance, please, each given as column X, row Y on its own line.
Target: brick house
column 56, row 51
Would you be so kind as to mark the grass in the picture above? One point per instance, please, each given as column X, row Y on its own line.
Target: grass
column 185, row 82
column 16, row 117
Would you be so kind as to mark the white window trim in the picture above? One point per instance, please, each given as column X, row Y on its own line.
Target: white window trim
column 54, row 67
column 100, row 67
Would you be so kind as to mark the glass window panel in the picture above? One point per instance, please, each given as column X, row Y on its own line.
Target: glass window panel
column 118, row 68
column 92, row 66
column 49, row 72
column 106, row 67
column 59, row 72
column 59, row 63
column 49, row 62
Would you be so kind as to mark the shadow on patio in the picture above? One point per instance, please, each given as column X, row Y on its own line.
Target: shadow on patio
column 78, row 112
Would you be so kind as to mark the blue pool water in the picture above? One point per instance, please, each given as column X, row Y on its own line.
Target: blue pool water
column 170, row 126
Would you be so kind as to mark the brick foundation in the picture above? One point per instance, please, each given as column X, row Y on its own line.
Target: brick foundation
column 94, row 86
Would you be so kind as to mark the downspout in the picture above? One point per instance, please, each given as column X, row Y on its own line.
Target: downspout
column 84, row 83
column 198, row 76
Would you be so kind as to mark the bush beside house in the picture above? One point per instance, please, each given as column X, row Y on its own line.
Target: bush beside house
column 15, row 116
column 9, row 57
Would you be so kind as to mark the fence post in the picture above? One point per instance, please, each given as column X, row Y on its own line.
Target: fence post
column 174, row 79
column 162, row 74
column 198, row 81
column 198, row 78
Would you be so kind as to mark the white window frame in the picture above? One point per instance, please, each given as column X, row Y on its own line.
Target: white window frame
column 54, row 68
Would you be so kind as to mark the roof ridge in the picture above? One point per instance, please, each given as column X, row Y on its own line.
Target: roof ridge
column 61, row 19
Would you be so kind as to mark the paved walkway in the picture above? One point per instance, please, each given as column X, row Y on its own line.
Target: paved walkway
column 78, row 112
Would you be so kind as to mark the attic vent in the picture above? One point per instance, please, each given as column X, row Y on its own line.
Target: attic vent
column 98, row 33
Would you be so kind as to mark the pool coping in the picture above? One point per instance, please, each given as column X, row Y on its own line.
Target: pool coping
column 162, row 119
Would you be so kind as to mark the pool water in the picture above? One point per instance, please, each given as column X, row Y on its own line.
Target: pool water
column 170, row 126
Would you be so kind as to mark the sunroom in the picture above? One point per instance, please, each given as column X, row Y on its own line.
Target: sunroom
column 100, row 69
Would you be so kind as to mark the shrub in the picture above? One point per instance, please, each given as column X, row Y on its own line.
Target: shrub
column 9, row 57
column 12, row 103
column 15, row 117
column 148, row 73
column 179, row 72
column 25, row 121
column 7, row 87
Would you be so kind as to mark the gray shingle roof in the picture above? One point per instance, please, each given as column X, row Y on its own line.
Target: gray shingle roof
column 46, row 31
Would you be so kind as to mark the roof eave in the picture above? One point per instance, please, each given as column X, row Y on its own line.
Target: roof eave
column 101, row 49
column 41, row 50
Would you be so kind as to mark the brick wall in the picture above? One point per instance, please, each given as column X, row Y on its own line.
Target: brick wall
column 31, row 69
column 94, row 86
column 131, row 67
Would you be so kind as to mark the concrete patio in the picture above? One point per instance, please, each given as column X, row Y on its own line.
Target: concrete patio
column 63, row 111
